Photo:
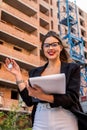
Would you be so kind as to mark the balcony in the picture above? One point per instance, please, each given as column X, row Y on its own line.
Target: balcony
column 27, row 7
column 47, row 1
column 8, row 103
column 7, row 83
column 41, row 38
column 20, row 23
column 44, row 10
column 44, row 24
column 8, row 79
column 43, row 2
column 13, row 35
column 43, row 16
column 43, row 30
column 25, row 61
column 20, row 15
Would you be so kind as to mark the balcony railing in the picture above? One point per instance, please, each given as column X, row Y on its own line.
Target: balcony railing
column 24, row 58
column 43, row 16
column 23, row 5
column 44, row 3
column 8, row 103
column 16, row 21
column 32, row 20
column 43, row 30
column 31, row 3
column 15, row 32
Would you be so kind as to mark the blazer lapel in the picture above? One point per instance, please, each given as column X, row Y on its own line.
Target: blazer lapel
column 64, row 67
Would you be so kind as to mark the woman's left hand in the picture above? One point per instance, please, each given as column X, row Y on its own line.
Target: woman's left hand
column 37, row 92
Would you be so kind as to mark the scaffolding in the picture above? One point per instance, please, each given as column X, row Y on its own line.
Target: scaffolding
column 69, row 32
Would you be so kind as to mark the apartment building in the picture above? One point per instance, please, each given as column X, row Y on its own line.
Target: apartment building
column 23, row 24
column 82, row 21
column 83, row 29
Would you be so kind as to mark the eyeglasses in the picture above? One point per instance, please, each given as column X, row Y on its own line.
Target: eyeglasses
column 54, row 44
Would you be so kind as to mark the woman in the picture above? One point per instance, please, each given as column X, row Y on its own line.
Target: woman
column 51, row 111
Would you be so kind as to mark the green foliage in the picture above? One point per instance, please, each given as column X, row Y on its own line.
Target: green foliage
column 14, row 120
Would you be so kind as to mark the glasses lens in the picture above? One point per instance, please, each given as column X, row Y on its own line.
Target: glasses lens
column 46, row 45
column 54, row 44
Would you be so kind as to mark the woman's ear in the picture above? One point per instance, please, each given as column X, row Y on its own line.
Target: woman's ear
column 61, row 47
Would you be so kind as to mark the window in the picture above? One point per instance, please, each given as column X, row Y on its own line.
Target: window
column 1, row 42
column 70, row 8
column 51, row 2
column 85, row 54
column 51, row 24
column 83, row 33
column 17, row 48
column 59, row 27
column 57, row 4
column 64, row 9
column 14, row 94
column 82, row 23
column 81, row 13
column 34, row 1
column 58, row 15
column 51, row 12
column 66, row 31
column 73, row 30
column 85, row 44
column 0, row 65
column 46, row 1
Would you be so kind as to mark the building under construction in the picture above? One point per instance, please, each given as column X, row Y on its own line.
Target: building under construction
column 22, row 28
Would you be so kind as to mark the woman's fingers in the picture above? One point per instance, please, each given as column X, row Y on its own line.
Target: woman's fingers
column 7, row 61
column 37, row 87
column 28, row 87
column 34, row 91
column 26, row 84
column 14, row 62
column 10, row 63
column 6, row 66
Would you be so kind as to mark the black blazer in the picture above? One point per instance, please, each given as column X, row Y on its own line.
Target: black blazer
column 70, row 100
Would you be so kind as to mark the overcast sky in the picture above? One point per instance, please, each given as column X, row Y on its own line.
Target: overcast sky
column 81, row 3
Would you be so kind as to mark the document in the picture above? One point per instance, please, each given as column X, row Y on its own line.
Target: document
column 51, row 83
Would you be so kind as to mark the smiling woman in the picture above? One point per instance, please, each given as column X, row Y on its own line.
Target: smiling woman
column 55, row 110
column 53, row 43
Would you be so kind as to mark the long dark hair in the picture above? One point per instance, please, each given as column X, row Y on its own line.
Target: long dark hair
column 64, row 56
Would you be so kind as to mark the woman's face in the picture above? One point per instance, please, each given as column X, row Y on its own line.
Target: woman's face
column 52, row 48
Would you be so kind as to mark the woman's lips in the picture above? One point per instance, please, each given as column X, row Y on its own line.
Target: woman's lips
column 51, row 53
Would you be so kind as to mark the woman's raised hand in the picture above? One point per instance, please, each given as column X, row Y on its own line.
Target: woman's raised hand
column 12, row 66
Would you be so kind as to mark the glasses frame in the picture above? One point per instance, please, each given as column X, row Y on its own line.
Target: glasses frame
column 53, row 44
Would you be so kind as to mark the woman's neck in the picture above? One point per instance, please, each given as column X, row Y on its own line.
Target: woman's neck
column 55, row 63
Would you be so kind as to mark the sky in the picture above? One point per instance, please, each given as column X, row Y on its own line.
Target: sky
column 81, row 3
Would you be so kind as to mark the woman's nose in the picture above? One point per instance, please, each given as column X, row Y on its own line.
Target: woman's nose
column 50, row 47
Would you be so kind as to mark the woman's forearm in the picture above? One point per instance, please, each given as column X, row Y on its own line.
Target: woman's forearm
column 20, row 82
column 48, row 98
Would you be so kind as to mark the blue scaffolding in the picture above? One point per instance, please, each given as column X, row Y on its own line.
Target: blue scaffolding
column 69, row 31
